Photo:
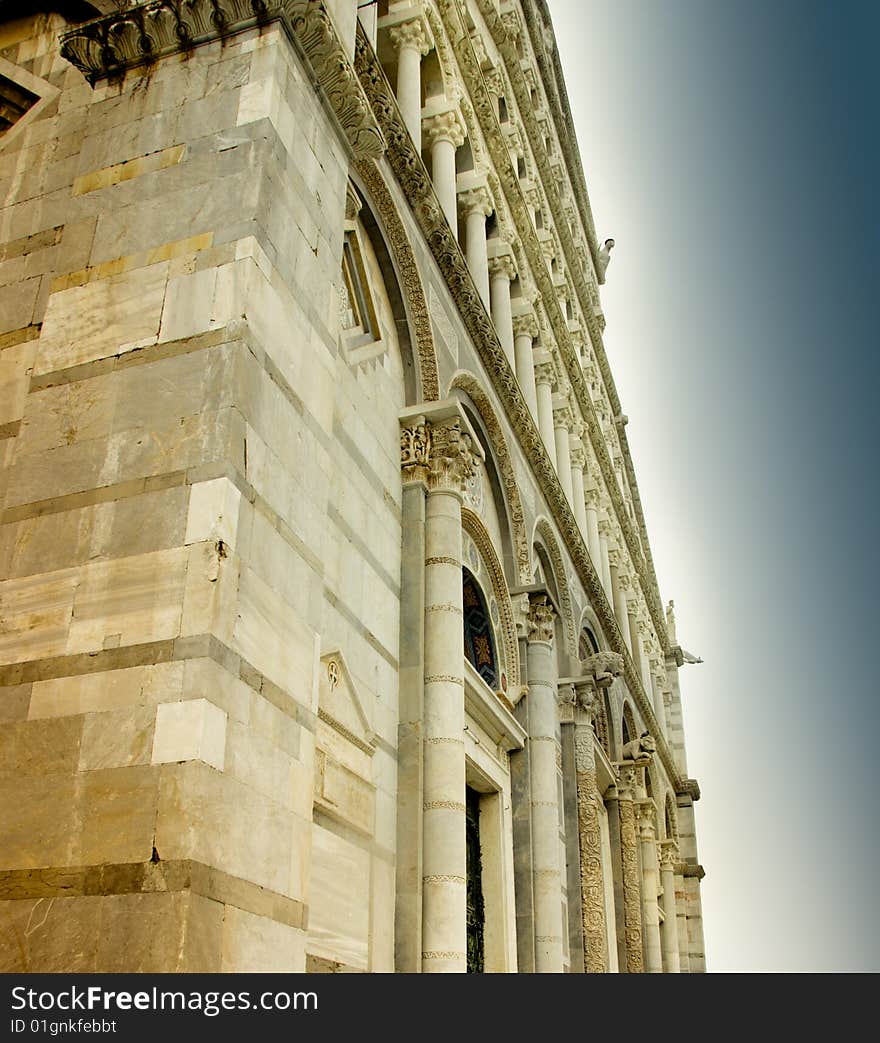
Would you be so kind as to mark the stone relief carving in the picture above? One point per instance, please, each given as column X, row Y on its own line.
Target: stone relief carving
column 541, row 617
column 640, row 750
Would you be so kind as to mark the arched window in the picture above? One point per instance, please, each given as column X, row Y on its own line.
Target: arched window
column 479, row 647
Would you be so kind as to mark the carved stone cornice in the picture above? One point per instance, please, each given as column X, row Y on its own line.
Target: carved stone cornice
column 105, row 48
column 417, row 188
column 541, row 618
column 691, row 869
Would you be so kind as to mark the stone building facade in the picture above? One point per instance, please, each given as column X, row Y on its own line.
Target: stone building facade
column 330, row 634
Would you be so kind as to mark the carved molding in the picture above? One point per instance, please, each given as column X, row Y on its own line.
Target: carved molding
column 408, row 270
column 105, row 48
column 474, row 527
column 590, row 843
column 468, row 383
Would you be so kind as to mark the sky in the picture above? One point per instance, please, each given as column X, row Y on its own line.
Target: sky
column 730, row 148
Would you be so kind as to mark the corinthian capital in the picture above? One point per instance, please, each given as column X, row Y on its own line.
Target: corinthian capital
column 669, row 855
column 545, row 373
column 525, row 324
column 541, row 617
column 444, row 126
column 451, row 459
column 502, row 264
column 475, row 200
column 413, row 35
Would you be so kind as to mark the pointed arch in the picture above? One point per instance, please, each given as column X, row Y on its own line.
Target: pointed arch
column 415, row 303
column 545, row 536
column 465, row 381
column 507, row 625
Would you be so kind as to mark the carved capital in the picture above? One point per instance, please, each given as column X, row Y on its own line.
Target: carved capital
column 563, row 415
column 545, row 373
column 451, row 459
column 415, row 450
column 591, row 498
column 541, row 617
column 414, row 35
column 578, row 458
column 475, row 200
column 669, row 855
column 525, row 324
column 502, row 265
column 565, row 702
column 444, row 126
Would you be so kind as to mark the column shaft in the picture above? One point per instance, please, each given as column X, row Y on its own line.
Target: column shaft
column 477, row 259
column 590, row 838
column 409, row 90
column 650, row 917
column 501, row 313
column 577, row 497
column 546, row 879
column 669, row 930
column 444, row 937
column 525, row 371
column 443, row 174
column 545, row 418
column 563, row 457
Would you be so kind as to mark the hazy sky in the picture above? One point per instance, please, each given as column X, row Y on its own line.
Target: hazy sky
column 730, row 148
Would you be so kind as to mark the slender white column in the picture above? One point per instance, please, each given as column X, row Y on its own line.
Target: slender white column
column 620, row 584
column 502, row 270
column 525, row 329
column 440, row 455
column 578, row 461
column 476, row 205
column 444, row 133
column 669, row 928
column 591, row 510
column 544, row 377
column 412, row 41
column 604, row 553
column 657, row 686
column 650, row 889
column 562, row 422
column 546, row 876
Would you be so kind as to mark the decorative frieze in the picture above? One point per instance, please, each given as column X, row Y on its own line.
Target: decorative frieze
column 107, row 47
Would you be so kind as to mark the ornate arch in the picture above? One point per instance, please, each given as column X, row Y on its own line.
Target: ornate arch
column 544, row 530
column 425, row 355
column 477, row 531
column 468, row 383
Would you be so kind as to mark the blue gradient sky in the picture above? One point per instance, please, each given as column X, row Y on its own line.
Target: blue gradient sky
column 731, row 150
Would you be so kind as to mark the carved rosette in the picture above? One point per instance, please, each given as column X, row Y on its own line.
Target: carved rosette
column 632, row 896
column 107, row 47
column 540, row 619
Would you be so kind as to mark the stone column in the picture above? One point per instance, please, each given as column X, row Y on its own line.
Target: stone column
column 669, row 930
column 591, row 516
column 525, row 329
column 621, row 583
column 589, row 830
column 546, row 879
column 441, row 452
column 562, row 423
column 444, row 133
column 476, row 205
column 604, row 555
column 412, row 41
column 502, row 269
column 681, row 919
column 544, row 378
column 578, row 462
column 650, row 887
column 657, row 686
column 631, row 956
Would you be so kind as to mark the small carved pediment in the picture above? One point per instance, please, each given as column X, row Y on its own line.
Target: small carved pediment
column 339, row 703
